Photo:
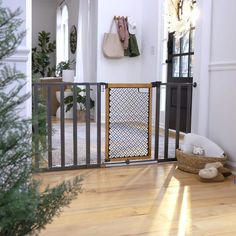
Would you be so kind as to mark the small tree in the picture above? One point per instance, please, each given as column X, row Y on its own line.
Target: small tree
column 23, row 208
column 41, row 62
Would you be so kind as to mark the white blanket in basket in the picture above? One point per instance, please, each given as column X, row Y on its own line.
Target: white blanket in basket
column 211, row 149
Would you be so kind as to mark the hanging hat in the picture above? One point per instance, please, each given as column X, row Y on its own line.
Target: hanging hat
column 131, row 25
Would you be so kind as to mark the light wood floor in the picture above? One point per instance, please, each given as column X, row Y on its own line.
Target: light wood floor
column 145, row 200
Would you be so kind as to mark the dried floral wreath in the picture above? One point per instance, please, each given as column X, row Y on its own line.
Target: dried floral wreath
column 180, row 16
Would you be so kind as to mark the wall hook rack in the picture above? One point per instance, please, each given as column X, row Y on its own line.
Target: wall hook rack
column 119, row 17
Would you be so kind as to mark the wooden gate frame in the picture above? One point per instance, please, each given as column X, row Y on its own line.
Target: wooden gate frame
column 138, row 86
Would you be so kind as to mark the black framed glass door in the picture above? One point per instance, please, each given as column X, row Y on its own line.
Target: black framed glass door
column 180, row 70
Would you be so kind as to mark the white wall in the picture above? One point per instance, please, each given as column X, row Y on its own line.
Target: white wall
column 22, row 57
column 214, row 100
column 139, row 69
column 222, row 113
column 202, row 53
column 150, row 53
column 125, row 69
column 44, row 18
column 73, row 8
column 222, row 95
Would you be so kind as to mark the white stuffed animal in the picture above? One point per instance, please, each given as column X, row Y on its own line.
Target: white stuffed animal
column 198, row 150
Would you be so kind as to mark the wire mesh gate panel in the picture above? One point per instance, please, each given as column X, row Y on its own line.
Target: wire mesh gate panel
column 128, row 121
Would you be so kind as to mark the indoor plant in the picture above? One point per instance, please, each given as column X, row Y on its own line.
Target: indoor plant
column 81, row 103
column 64, row 65
column 41, row 55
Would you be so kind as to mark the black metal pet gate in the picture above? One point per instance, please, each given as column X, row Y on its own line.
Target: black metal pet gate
column 132, row 131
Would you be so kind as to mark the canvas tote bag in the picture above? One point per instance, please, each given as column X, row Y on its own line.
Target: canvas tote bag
column 112, row 46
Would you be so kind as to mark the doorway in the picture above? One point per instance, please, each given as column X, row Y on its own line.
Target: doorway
column 180, row 70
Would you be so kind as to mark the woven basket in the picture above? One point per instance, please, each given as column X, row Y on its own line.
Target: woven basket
column 193, row 163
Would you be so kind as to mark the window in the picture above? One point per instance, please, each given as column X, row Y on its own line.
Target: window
column 62, row 34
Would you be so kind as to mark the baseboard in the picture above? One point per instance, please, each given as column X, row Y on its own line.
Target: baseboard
column 232, row 166
column 232, row 163
column 20, row 55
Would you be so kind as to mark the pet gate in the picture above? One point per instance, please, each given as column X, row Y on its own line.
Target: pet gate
column 126, row 134
column 128, row 122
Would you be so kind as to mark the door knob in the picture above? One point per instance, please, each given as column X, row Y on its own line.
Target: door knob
column 168, row 60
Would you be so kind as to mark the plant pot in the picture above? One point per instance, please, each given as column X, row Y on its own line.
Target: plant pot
column 68, row 76
column 81, row 116
column 67, row 114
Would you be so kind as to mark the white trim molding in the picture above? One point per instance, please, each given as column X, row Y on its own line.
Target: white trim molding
column 200, row 106
column 27, row 52
column 223, row 66
column 20, row 55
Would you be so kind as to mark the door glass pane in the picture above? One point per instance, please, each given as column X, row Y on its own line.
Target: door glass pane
column 176, row 46
column 175, row 70
column 192, row 40
column 184, row 66
column 185, row 43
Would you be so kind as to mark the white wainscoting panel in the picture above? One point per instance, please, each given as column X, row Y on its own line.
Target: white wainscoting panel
column 21, row 55
column 223, row 66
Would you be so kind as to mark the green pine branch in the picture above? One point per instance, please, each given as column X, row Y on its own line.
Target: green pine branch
column 24, row 210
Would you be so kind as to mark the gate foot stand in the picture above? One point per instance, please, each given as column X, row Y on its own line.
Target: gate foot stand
column 127, row 161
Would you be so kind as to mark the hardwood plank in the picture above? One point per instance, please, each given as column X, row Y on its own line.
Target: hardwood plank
column 144, row 200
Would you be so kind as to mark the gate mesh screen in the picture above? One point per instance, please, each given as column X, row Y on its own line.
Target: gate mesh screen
column 128, row 127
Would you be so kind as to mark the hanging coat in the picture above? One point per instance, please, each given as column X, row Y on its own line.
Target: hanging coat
column 123, row 32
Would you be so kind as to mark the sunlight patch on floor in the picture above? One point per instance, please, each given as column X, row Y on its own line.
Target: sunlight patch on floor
column 185, row 214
